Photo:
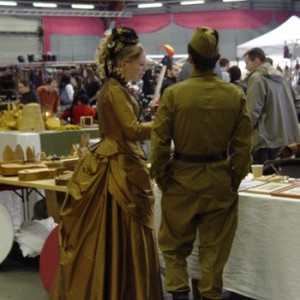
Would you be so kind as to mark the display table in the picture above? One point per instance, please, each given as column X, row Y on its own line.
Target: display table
column 50, row 142
column 60, row 142
column 46, row 184
column 264, row 262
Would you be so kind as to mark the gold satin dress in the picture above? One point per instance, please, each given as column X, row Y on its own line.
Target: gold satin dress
column 107, row 243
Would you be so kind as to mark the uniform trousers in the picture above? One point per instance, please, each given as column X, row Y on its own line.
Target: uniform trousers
column 183, row 214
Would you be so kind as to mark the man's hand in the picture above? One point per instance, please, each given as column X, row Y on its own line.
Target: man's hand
column 235, row 180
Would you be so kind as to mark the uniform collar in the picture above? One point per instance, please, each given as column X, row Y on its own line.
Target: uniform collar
column 207, row 73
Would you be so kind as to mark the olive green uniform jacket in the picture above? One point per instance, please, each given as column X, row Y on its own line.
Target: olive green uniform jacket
column 202, row 115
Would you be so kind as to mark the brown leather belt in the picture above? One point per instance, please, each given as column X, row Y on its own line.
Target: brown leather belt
column 200, row 158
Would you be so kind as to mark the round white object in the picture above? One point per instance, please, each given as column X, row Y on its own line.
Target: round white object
column 6, row 233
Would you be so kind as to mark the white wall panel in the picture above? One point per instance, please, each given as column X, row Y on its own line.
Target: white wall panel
column 19, row 36
column 18, row 24
column 13, row 45
column 74, row 47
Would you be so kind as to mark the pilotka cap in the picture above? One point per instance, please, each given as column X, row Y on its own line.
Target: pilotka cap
column 205, row 42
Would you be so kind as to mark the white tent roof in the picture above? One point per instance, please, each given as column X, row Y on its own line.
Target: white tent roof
column 273, row 42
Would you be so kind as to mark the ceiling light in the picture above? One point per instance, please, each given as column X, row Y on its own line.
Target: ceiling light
column 149, row 5
column 41, row 4
column 191, row 2
column 83, row 6
column 234, row 0
column 8, row 3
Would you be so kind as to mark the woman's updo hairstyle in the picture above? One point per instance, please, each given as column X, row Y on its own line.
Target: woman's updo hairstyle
column 121, row 43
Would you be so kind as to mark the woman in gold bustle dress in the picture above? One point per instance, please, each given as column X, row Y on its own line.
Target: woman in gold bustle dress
column 107, row 244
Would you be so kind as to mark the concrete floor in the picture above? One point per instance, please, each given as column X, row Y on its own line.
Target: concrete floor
column 20, row 279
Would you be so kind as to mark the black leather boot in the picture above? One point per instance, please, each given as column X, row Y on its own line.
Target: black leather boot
column 196, row 293
column 181, row 295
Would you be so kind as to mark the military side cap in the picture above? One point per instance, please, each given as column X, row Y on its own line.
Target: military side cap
column 205, row 42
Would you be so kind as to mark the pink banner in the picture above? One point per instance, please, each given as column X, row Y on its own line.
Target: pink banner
column 282, row 16
column 232, row 19
column 71, row 26
column 145, row 23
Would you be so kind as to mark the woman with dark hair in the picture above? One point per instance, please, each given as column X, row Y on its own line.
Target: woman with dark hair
column 28, row 95
column 79, row 89
column 78, row 110
column 92, row 85
column 107, row 246
column 235, row 78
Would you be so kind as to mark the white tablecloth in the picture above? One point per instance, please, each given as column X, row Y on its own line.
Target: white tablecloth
column 264, row 262
column 51, row 142
column 24, row 139
column 13, row 204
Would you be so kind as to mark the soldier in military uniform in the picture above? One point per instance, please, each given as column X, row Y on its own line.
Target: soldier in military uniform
column 203, row 116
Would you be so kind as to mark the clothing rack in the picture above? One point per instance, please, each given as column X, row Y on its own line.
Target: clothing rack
column 36, row 72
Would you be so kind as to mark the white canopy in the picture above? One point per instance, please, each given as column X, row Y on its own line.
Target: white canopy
column 273, row 42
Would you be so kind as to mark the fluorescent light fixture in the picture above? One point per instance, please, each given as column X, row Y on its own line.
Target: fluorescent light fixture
column 83, row 6
column 192, row 2
column 43, row 4
column 150, row 5
column 8, row 3
column 234, row 0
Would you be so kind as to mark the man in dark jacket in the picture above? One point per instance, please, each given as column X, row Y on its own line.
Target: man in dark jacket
column 27, row 94
column 171, row 78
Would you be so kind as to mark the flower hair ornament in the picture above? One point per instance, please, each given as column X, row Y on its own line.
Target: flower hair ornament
column 120, row 38
column 112, row 45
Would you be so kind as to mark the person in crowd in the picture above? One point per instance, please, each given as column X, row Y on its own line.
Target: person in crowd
column 107, row 249
column 269, row 60
column 218, row 70
column 91, row 84
column 79, row 109
column 224, row 64
column 148, row 83
column 235, row 75
column 27, row 94
column 66, row 92
column 186, row 71
column 202, row 116
column 172, row 73
column 79, row 88
column 290, row 150
column 271, row 106
column 48, row 95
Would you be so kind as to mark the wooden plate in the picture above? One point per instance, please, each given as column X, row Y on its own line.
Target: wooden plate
column 12, row 169
column 36, row 174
